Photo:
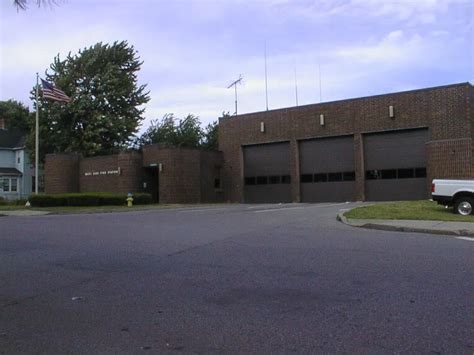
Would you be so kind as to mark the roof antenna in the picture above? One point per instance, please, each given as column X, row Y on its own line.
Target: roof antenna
column 320, row 86
column 266, row 81
column 234, row 84
column 296, row 87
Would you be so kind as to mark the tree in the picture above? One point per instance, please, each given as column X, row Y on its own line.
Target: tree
column 211, row 136
column 16, row 114
column 189, row 132
column 160, row 131
column 23, row 4
column 105, row 109
column 186, row 132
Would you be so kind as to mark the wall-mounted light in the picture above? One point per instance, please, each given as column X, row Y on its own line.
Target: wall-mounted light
column 160, row 167
column 391, row 112
column 321, row 119
column 262, row 127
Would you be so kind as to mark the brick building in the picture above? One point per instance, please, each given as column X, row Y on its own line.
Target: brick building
column 170, row 175
column 384, row 147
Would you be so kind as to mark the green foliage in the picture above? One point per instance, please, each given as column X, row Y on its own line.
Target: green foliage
column 173, row 132
column 86, row 199
column 17, row 115
column 211, row 136
column 105, row 110
column 142, row 199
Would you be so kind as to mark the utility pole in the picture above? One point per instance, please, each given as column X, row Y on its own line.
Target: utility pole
column 234, row 84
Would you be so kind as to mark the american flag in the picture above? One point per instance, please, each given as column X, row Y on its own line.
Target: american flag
column 52, row 93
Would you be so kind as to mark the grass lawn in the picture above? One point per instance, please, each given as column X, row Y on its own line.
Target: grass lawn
column 418, row 210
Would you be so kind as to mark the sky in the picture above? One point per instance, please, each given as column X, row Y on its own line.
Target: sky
column 325, row 50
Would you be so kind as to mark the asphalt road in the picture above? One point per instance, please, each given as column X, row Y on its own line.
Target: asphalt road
column 239, row 278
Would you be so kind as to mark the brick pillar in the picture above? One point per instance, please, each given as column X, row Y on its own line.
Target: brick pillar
column 359, row 166
column 295, row 171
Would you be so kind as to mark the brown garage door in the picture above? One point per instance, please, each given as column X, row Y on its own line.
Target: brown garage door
column 327, row 169
column 395, row 165
column 267, row 173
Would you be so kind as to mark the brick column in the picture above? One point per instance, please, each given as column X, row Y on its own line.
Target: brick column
column 359, row 166
column 295, row 170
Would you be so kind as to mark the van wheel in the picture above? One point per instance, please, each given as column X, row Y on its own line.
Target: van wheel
column 464, row 206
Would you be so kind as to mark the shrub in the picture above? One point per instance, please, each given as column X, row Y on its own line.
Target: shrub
column 2, row 201
column 87, row 199
column 142, row 199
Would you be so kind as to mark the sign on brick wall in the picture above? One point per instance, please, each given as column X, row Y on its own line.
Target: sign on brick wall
column 102, row 172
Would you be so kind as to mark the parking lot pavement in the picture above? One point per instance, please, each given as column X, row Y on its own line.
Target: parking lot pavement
column 236, row 278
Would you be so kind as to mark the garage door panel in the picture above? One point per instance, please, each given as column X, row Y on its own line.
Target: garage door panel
column 328, row 192
column 404, row 149
column 327, row 169
column 327, row 155
column 396, row 190
column 268, row 193
column 267, row 173
column 267, row 159
column 395, row 165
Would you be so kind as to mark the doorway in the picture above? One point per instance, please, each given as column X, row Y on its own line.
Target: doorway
column 151, row 182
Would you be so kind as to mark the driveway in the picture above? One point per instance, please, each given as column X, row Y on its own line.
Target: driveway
column 236, row 278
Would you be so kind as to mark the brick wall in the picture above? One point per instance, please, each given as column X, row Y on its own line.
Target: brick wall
column 187, row 175
column 99, row 174
column 131, row 172
column 61, row 173
column 211, row 169
column 179, row 180
column 444, row 110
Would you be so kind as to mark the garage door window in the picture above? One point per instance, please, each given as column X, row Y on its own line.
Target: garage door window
column 406, row 173
column 274, row 179
column 250, row 180
column 286, row 179
column 265, row 180
column 328, row 177
column 306, row 178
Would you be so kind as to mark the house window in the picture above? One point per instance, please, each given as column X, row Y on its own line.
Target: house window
column 13, row 185
column 4, row 184
column 8, row 184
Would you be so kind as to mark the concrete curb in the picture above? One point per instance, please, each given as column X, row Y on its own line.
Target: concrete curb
column 458, row 232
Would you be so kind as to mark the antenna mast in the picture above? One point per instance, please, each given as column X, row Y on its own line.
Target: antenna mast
column 234, row 84
column 320, row 86
column 266, row 82
column 296, row 87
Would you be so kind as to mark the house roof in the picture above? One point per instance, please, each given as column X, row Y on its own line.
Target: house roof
column 10, row 171
column 12, row 139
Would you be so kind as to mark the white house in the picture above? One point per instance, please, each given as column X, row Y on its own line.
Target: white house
column 16, row 171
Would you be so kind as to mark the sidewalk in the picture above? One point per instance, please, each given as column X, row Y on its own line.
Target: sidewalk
column 23, row 213
column 432, row 227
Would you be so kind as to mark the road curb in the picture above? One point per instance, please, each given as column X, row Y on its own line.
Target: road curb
column 459, row 232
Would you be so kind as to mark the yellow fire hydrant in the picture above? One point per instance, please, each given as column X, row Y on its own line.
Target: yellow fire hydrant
column 129, row 200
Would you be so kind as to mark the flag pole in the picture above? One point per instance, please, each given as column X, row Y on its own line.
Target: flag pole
column 37, row 137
